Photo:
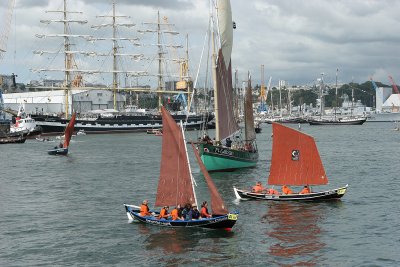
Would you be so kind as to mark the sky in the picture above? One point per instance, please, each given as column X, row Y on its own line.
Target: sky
column 295, row 40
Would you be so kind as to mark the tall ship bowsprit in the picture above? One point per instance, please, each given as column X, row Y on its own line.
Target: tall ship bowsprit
column 117, row 115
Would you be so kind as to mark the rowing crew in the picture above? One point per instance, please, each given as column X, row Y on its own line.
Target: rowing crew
column 258, row 188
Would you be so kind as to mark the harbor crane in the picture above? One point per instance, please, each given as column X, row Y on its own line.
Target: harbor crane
column 396, row 90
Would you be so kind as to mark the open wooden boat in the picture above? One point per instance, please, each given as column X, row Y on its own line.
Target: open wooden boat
column 295, row 162
column 176, row 184
column 63, row 148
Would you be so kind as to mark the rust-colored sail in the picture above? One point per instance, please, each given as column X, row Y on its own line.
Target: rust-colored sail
column 250, row 133
column 69, row 130
column 226, row 117
column 217, row 204
column 175, row 184
column 295, row 158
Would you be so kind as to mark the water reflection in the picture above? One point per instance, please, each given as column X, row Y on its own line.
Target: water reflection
column 295, row 233
column 175, row 244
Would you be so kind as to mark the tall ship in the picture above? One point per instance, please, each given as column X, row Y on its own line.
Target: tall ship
column 115, row 115
column 230, row 150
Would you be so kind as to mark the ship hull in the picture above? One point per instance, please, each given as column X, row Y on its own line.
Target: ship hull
column 218, row 158
column 119, row 124
column 317, row 196
column 356, row 121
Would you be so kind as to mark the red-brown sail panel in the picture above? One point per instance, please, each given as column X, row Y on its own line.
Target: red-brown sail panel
column 174, row 185
column 250, row 133
column 295, row 159
column 69, row 130
column 226, row 119
column 217, row 204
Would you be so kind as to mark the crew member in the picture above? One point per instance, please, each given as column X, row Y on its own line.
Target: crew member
column 258, row 188
column 144, row 208
column 164, row 213
column 305, row 190
column 286, row 190
column 204, row 211
column 272, row 191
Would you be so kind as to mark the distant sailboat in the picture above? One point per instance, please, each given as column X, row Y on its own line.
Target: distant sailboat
column 176, row 184
column 236, row 153
column 295, row 161
column 69, row 130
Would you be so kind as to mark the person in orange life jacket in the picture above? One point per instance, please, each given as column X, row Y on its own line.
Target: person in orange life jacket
column 144, row 208
column 258, row 188
column 286, row 190
column 305, row 190
column 164, row 213
column 175, row 213
column 204, row 211
column 272, row 191
column 193, row 213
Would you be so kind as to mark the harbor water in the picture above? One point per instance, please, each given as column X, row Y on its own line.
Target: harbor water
column 63, row 211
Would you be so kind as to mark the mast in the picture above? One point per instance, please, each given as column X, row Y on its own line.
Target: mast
column 115, row 50
column 321, row 97
column 160, row 54
column 336, row 92
column 188, row 162
column 67, row 56
column 214, row 75
column 280, row 98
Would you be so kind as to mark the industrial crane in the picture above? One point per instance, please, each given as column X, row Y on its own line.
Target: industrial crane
column 396, row 90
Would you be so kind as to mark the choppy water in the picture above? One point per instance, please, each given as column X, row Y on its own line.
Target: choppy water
column 68, row 210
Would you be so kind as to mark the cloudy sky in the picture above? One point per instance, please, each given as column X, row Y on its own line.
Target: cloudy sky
column 295, row 40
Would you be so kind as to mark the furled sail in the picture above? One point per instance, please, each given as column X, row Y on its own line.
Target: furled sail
column 175, row 184
column 217, row 204
column 295, row 158
column 227, row 124
column 69, row 130
column 250, row 133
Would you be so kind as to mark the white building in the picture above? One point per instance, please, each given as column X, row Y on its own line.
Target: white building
column 53, row 102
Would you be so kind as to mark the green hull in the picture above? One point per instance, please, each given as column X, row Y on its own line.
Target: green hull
column 218, row 158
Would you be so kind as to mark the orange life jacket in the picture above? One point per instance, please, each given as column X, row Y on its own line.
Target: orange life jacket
column 272, row 192
column 204, row 212
column 174, row 214
column 305, row 190
column 144, row 210
column 257, row 188
column 286, row 190
column 163, row 214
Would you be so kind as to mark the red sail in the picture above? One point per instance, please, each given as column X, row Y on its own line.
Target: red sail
column 295, row 158
column 175, row 182
column 217, row 204
column 226, row 119
column 69, row 130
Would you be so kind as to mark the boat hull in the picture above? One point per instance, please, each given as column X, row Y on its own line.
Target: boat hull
column 58, row 151
column 119, row 124
column 218, row 158
column 357, row 121
column 219, row 222
column 317, row 196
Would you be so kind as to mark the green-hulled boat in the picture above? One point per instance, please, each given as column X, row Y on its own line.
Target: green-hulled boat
column 237, row 152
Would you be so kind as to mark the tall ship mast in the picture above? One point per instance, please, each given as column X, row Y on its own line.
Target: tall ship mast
column 131, row 119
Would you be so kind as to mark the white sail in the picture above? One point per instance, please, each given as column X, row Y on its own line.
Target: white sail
column 224, row 13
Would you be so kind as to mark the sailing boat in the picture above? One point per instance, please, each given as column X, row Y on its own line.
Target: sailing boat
column 176, row 184
column 236, row 153
column 69, row 130
column 335, row 120
column 295, row 161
